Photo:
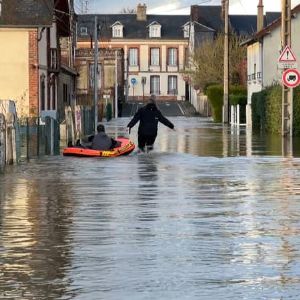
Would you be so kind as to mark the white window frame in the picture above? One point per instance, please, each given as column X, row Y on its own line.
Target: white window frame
column 172, row 85
column 155, row 84
column 155, row 31
column 172, row 56
column 154, row 56
column 117, row 31
column 133, row 56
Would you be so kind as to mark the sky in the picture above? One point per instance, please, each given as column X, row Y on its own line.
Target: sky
column 174, row 6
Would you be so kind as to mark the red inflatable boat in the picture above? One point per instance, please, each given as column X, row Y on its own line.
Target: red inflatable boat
column 126, row 147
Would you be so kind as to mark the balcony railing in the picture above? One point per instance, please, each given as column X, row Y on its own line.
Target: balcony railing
column 258, row 75
column 255, row 76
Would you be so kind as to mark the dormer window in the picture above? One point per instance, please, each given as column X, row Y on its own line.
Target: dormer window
column 83, row 30
column 154, row 30
column 186, row 30
column 117, row 30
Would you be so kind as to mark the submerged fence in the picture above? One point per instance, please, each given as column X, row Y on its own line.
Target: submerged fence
column 37, row 138
column 31, row 137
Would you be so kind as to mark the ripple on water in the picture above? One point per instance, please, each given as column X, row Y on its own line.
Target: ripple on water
column 169, row 225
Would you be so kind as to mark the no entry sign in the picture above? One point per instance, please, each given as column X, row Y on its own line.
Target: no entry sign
column 291, row 78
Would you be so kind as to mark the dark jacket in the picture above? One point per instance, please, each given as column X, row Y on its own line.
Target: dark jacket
column 149, row 116
column 102, row 141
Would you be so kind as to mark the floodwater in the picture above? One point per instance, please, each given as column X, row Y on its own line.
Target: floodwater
column 210, row 214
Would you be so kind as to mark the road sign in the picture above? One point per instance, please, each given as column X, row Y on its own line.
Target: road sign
column 291, row 78
column 287, row 59
column 133, row 81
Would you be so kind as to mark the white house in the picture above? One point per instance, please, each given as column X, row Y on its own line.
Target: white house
column 263, row 52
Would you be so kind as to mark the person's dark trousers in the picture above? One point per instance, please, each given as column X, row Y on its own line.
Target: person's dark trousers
column 146, row 140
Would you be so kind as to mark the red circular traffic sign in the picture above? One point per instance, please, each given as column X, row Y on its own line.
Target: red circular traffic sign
column 291, row 78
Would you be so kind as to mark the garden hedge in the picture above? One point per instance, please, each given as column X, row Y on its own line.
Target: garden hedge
column 237, row 95
column 266, row 110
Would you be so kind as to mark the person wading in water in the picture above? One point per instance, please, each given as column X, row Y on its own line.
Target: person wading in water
column 149, row 116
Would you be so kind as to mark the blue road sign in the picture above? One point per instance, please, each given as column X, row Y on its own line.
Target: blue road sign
column 133, row 81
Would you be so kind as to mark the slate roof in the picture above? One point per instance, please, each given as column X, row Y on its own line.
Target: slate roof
column 26, row 13
column 171, row 25
column 271, row 26
column 211, row 16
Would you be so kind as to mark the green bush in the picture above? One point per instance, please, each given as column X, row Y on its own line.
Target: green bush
column 237, row 90
column 266, row 110
column 296, row 111
column 215, row 96
column 273, row 109
column 214, row 92
column 258, row 105
column 237, row 99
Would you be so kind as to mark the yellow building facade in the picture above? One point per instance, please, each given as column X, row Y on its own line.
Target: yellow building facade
column 14, row 62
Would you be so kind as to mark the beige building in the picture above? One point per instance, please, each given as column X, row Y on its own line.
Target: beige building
column 36, row 57
column 155, row 50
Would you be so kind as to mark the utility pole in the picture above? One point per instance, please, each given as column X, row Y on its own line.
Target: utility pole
column 116, row 83
column 127, row 77
column 225, row 4
column 96, row 74
column 287, row 93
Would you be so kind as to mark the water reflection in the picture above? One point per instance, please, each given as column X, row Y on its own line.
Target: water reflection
column 35, row 241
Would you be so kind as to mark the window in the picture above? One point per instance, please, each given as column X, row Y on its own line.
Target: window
column 52, row 100
column 117, row 32
column 155, row 85
column 117, row 29
column 154, row 30
column 154, row 56
column 133, row 57
column 172, row 56
column 53, row 59
column 92, row 75
column 172, row 85
column 42, row 95
column 66, row 96
column 83, row 31
column 186, row 57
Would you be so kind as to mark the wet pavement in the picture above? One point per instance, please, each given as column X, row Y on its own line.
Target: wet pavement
column 210, row 214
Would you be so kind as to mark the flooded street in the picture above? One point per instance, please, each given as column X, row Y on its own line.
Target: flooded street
column 207, row 215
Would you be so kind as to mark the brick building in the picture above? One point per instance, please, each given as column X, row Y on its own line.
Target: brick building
column 36, row 56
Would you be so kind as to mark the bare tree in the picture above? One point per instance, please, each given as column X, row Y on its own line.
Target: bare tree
column 128, row 10
column 207, row 62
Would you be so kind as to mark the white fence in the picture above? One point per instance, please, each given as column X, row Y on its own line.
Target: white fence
column 8, row 126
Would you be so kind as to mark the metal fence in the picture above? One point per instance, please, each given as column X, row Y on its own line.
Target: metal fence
column 35, row 138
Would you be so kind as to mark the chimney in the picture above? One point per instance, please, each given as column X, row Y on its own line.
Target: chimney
column 141, row 12
column 194, row 13
column 260, row 15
